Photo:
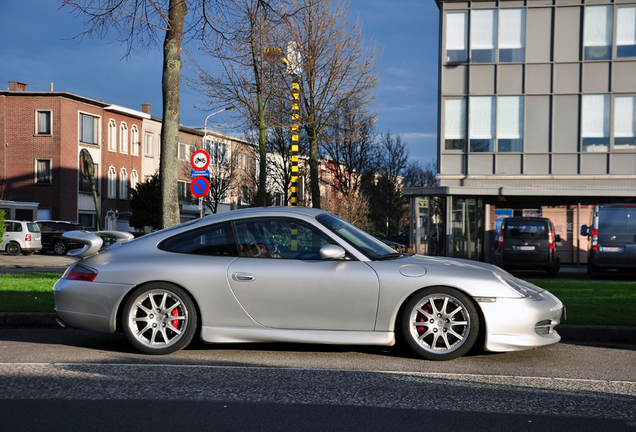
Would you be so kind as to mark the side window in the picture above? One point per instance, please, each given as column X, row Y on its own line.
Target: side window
column 214, row 240
column 279, row 238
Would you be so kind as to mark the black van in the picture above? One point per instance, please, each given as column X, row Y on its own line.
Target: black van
column 612, row 238
column 527, row 243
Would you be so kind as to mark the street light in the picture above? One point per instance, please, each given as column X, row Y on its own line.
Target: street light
column 205, row 135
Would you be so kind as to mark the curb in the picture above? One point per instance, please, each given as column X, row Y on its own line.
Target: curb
column 568, row 332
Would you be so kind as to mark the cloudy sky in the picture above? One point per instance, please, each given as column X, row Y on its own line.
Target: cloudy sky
column 38, row 48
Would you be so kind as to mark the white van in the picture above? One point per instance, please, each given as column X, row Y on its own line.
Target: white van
column 21, row 237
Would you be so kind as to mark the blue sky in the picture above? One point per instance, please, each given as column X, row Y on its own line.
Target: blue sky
column 38, row 48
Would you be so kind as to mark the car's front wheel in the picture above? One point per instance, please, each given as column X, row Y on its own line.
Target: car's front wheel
column 13, row 249
column 440, row 323
column 60, row 248
column 160, row 318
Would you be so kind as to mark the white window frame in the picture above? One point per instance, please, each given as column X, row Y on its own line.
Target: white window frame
column 134, row 140
column 112, row 135
column 123, row 184
column 112, row 182
column 96, row 128
column 134, row 179
column 123, row 138
column 36, row 171
column 37, row 122
column 148, row 144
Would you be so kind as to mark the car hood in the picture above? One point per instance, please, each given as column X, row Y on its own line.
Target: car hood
column 424, row 260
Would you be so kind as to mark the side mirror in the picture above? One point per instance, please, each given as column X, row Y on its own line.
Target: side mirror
column 557, row 238
column 332, row 252
column 584, row 230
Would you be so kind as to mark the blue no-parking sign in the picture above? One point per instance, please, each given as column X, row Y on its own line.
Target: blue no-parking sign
column 200, row 187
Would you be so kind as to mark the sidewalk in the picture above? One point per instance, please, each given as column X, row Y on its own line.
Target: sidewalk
column 36, row 262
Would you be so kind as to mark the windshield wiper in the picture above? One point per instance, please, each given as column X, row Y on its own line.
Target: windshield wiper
column 389, row 255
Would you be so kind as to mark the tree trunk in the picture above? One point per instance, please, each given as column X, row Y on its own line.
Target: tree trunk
column 170, row 126
column 314, row 178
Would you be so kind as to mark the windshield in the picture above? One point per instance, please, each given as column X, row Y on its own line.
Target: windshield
column 365, row 243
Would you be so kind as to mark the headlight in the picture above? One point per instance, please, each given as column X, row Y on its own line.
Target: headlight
column 521, row 287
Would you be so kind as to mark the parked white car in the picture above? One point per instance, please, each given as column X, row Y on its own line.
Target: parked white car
column 21, row 237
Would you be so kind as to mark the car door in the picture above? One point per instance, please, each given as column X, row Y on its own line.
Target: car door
column 281, row 281
column 613, row 237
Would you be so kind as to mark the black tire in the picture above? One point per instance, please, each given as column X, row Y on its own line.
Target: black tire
column 593, row 272
column 552, row 271
column 13, row 249
column 159, row 318
column 60, row 247
column 440, row 323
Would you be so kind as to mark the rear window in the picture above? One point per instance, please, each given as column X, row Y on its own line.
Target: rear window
column 612, row 221
column 526, row 229
column 33, row 227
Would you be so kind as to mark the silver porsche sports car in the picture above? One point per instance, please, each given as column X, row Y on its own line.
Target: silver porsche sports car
column 285, row 274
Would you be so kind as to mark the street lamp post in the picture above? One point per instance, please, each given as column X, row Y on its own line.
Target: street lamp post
column 205, row 135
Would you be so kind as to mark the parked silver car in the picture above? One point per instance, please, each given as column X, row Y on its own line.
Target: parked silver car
column 21, row 237
column 295, row 275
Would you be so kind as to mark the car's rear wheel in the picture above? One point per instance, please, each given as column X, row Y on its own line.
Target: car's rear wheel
column 160, row 318
column 60, row 247
column 440, row 323
column 13, row 249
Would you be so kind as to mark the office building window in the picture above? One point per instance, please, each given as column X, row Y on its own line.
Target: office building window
column 455, row 124
column 512, row 35
column 123, row 184
column 123, row 138
column 595, row 121
column 481, row 124
column 483, row 35
column 148, row 145
column 88, row 129
column 43, row 122
column 134, row 141
column 43, row 171
column 456, row 26
column 510, row 124
column 624, row 123
column 626, row 32
column 597, row 38
column 112, row 182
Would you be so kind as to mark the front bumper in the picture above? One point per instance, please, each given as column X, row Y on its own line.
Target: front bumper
column 514, row 324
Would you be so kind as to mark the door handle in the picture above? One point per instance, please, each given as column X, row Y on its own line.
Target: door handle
column 243, row 277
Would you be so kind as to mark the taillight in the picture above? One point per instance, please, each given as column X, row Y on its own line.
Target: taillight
column 80, row 273
column 500, row 239
column 27, row 237
column 594, row 239
column 551, row 239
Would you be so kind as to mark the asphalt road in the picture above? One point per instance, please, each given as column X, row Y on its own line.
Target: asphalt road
column 75, row 379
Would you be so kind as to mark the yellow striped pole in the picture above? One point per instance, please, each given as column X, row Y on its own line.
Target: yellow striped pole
column 294, row 147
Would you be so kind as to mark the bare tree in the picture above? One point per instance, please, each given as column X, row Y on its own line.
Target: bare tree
column 416, row 175
column 251, row 75
column 336, row 71
column 349, row 143
column 388, row 203
column 144, row 22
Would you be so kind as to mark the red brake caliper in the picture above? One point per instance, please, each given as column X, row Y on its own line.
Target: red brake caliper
column 422, row 318
column 175, row 323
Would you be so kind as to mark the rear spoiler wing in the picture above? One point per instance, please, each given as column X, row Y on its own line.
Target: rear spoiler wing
column 94, row 241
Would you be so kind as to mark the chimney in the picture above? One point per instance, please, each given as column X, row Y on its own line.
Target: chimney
column 145, row 107
column 17, row 86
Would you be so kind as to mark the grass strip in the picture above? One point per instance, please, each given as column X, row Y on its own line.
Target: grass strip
column 594, row 302
column 27, row 292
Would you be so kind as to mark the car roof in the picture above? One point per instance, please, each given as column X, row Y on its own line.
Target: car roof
column 253, row 211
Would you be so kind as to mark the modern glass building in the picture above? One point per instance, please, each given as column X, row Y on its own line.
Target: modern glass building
column 537, row 116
